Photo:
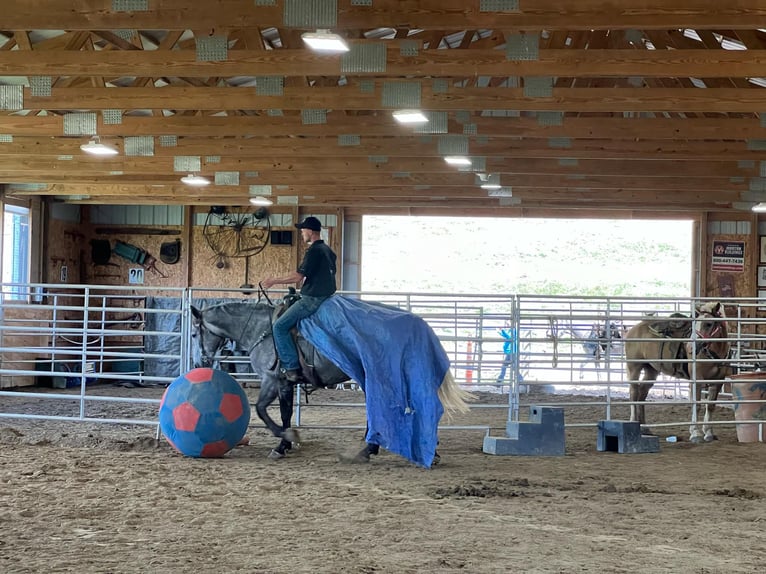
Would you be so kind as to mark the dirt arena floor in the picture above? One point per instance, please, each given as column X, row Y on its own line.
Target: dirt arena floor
column 110, row 499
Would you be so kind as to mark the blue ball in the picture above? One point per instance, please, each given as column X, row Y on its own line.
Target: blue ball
column 204, row 413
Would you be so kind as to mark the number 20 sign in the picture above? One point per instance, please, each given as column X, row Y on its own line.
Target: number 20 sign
column 136, row 276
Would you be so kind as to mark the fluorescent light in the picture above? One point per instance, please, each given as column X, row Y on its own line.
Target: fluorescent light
column 500, row 192
column 759, row 207
column 410, row 117
column 457, row 160
column 95, row 147
column 488, row 180
column 258, row 200
column 324, row 41
column 195, row 180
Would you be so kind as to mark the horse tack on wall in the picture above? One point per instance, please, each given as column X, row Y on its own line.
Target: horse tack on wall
column 137, row 255
column 170, row 252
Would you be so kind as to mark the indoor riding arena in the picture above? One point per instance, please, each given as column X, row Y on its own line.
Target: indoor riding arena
column 158, row 162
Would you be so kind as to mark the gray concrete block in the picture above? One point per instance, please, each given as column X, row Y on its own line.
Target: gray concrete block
column 541, row 435
column 625, row 437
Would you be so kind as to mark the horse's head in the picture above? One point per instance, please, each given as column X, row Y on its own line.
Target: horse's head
column 710, row 320
column 712, row 337
column 205, row 343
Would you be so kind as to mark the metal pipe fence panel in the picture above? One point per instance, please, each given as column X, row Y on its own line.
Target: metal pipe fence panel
column 77, row 336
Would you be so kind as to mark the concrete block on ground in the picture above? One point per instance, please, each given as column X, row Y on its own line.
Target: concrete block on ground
column 541, row 435
column 625, row 437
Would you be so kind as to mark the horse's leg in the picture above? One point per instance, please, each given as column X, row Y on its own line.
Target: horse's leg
column 707, row 434
column 712, row 395
column 286, row 405
column 369, row 449
column 270, row 390
column 695, row 390
column 639, row 390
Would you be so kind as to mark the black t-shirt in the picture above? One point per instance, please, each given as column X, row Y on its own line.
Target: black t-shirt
column 318, row 267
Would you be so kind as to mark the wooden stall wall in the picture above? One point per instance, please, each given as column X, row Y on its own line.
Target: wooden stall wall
column 67, row 257
column 740, row 280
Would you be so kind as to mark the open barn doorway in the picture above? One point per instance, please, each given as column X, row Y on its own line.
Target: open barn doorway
column 577, row 261
column 582, row 257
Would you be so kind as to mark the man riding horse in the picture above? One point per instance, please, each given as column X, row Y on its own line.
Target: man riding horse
column 316, row 276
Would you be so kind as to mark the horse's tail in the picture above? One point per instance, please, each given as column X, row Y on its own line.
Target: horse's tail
column 453, row 398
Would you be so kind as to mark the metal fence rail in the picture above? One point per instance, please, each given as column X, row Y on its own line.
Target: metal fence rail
column 81, row 335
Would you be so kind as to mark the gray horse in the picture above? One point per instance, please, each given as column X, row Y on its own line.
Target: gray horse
column 668, row 346
column 249, row 326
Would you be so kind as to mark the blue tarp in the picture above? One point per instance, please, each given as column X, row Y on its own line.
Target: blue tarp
column 399, row 362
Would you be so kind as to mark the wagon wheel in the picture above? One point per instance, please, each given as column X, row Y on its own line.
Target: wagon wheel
column 241, row 233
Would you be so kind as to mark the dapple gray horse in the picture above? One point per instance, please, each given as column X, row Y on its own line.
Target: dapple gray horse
column 249, row 326
column 693, row 349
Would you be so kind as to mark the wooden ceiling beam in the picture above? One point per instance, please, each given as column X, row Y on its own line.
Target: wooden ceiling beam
column 409, row 146
column 431, row 63
column 291, row 183
column 393, row 168
column 130, row 192
column 422, row 14
column 383, row 125
column 561, row 207
column 456, row 99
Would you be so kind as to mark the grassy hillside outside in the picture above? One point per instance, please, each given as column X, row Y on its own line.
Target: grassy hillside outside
column 585, row 257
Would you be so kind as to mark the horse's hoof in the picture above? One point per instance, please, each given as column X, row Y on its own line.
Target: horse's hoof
column 437, row 459
column 710, row 438
column 275, row 455
column 696, row 439
column 291, row 435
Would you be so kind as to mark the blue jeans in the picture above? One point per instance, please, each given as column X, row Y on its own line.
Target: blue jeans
column 302, row 308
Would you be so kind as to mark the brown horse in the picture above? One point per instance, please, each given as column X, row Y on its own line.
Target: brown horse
column 693, row 349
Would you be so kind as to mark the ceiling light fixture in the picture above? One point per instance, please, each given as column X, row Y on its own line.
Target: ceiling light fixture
column 457, row 160
column 262, row 201
column 759, row 207
column 95, row 147
column 488, row 180
column 410, row 117
column 195, row 180
column 325, row 41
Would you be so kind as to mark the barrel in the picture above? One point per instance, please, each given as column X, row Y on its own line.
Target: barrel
column 749, row 387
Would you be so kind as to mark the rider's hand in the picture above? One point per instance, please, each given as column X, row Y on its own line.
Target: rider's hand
column 266, row 283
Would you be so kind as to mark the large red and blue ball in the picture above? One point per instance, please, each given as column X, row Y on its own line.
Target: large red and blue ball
column 204, row 413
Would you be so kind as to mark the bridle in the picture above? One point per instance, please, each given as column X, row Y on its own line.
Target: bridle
column 206, row 358
column 707, row 338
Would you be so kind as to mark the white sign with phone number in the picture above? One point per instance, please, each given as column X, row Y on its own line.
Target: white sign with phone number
column 136, row 276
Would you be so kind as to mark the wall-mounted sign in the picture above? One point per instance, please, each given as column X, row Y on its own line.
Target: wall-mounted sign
column 728, row 256
column 136, row 276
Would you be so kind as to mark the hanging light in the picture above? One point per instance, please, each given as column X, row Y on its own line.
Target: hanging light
column 95, row 147
column 260, row 200
column 325, row 41
column 195, row 180
column 410, row 117
column 457, row 160
column 488, row 180
column 759, row 207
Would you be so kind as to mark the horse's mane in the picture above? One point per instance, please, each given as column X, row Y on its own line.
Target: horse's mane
column 227, row 306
